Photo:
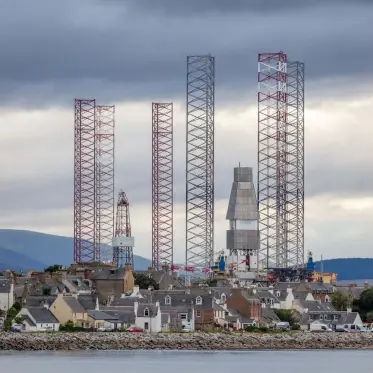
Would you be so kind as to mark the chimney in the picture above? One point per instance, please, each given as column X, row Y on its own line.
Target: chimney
column 349, row 309
column 135, row 307
column 136, row 290
column 97, row 305
column 187, row 290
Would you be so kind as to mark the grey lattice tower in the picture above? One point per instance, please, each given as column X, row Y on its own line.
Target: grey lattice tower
column 105, row 124
column 200, row 161
column 85, row 248
column 295, row 116
column 242, row 236
column 162, row 184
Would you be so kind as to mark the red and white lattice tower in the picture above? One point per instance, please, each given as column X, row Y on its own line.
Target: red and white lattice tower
column 123, row 242
column 85, row 248
column 105, row 124
column 280, row 160
column 162, row 185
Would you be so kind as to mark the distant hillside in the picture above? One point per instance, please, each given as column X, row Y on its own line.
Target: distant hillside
column 18, row 262
column 348, row 268
column 36, row 250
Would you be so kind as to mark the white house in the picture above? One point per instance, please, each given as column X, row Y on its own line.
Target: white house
column 148, row 317
column 6, row 294
column 37, row 319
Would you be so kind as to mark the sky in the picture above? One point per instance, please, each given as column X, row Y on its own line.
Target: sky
column 131, row 53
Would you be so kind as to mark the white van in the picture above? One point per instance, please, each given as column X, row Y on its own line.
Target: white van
column 355, row 328
column 314, row 327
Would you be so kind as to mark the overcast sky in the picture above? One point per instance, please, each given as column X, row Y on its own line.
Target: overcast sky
column 130, row 53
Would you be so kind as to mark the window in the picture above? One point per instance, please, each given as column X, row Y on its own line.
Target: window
column 223, row 298
column 335, row 317
column 146, row 326
column 167, row 300
column 198, row 313
column 321, row 317
column 146, row 312
column 198, row 300
column 310, row 317
column 183, row 316
column 278, row 294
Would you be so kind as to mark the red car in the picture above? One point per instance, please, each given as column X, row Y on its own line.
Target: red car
column 134, row 330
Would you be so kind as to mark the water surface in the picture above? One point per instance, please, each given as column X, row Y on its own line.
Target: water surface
column 324, row 361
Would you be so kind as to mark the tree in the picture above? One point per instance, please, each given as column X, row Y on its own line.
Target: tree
column 369, row 316
column 285, row 315
column 144, row 281
column 365, row 303
column 53, row 268
column 340, row 300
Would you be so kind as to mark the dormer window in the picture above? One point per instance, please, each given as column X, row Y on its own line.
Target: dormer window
column 167, row 300
column 146, row 312
column 199, row 300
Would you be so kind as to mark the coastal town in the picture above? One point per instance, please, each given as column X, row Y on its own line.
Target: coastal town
column 104, row 298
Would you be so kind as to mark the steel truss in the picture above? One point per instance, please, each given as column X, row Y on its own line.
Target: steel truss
column 295, row 85
column 85, row 248
column 123, row 255
column 280, row 160
column 162, row 185
column 105, row 124
column 200, row 161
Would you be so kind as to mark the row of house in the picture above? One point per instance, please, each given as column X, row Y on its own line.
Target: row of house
column 107, row 299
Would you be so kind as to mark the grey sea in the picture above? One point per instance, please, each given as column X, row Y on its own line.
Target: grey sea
column 346, row 361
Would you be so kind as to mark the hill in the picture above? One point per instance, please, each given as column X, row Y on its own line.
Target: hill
column 348, row 268
column 27, row 249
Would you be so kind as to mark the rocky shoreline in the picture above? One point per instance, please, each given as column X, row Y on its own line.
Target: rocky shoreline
column 190, row 341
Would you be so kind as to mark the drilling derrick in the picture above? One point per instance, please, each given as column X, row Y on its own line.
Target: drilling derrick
column 272, row 158
column 105, row 123
column 85, row 248
column 162, row 185
column 200, row 161
column 280, row 161
column 295, row 72
column 123, row 242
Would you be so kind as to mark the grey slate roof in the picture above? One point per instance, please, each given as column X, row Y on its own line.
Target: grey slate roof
column 4, row 286
column 343, row 317
column 40, row 300
column 74, row 305
column 269, row 315
column 100, row 315
column 42, row 316
column 125, row 316
column 108, row 274
column 153, row 310
column 267, row 295
column 126, row 302
column 87, row 301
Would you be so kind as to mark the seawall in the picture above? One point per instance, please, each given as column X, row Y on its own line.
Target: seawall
column 185, row 341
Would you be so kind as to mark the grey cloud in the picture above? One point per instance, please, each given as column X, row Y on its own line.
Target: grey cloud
column 113, row 50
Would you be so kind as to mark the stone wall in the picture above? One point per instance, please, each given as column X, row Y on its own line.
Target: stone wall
column 187, row 341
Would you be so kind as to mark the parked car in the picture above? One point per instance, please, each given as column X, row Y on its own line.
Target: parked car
column 342, row 330
column 134, row 329
column 283, row 325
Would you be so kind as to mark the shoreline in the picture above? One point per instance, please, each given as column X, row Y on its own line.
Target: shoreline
column 192, row 341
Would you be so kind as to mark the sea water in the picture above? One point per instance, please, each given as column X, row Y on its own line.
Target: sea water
column 140, row 361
